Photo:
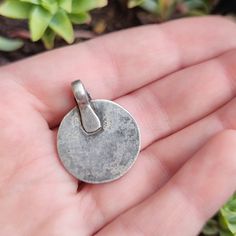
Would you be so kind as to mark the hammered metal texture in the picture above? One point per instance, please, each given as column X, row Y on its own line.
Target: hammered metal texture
column 103, row 156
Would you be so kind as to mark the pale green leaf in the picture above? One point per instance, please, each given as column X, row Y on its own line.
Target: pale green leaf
column 61, row 24
column 80, row 18
column 49, row 38
column 38, row 22
column 50, row 5
column 134, row 3
column 8, row 45
column 151, row 6
column 15, row 9
column 37, row 2
column 80, row 6
column 66, row 5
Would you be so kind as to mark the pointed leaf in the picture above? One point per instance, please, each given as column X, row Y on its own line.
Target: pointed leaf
column 38, row 22
column 227, row 216
column 80, row 18
column 61, row 24
column 80, row 6
column 15, row 9
column 66, row 5
column 50, row 5
column 48, row 39
column 8, row 45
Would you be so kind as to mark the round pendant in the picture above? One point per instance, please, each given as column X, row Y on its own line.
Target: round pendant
column 98, row 141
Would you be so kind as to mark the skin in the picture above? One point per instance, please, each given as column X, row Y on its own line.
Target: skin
column 178, row 81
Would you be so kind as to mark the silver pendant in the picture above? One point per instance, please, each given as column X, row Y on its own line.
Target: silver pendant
column 98, row 141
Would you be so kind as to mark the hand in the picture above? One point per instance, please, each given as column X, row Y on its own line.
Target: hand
column 178, row 81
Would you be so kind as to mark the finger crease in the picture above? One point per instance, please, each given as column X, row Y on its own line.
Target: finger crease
column 189, row 199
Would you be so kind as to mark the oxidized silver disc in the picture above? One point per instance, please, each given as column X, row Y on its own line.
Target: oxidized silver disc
column 105, row 155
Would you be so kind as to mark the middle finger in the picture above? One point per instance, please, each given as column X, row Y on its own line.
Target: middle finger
column 195, row 91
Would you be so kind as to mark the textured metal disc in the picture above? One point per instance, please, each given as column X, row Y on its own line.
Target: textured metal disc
column 105, row 155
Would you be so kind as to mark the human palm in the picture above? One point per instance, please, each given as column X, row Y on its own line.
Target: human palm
column 177, row 80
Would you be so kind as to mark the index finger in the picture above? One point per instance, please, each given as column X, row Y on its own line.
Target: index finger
column 119, row 63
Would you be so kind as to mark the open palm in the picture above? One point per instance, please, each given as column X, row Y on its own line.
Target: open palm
column 177, row 80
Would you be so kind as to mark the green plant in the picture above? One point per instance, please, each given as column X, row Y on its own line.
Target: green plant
column 167, row 9
column 48, row 18
column 8, row 45
column 224, row 223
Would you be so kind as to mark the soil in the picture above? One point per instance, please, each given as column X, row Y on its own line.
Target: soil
column 114, row 17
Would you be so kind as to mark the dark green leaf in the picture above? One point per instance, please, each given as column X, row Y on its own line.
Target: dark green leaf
column 48, row 39
column 134, row 3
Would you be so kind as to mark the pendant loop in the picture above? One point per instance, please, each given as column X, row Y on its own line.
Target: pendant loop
column 89, row 119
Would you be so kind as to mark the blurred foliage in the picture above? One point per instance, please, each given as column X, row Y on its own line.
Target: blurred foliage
column 224, row 223
column 169, row 9
column 48, row 18
column 8, row 45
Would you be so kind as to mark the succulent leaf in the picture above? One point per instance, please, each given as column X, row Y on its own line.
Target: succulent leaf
column 48, row 38
column 80, row 6
column 80, row 18
column 48, row 18
column 61, row 24
column 15, row 9
column 224, row 221
column 37, row 2
column 66, row 5
column 151, row 6
column 50, row 5
column 38, row 22
column 8, row 45
column 211, row 228
column 228, row 216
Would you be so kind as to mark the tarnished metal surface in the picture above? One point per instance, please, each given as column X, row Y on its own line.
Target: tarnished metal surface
column 88, row 116
column 103, row 156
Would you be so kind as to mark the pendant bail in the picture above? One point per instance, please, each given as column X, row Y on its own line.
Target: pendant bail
column 89, row 119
